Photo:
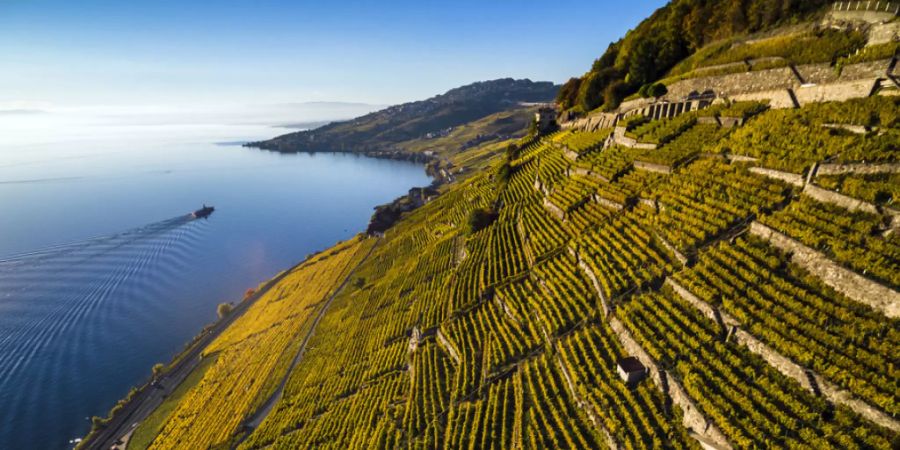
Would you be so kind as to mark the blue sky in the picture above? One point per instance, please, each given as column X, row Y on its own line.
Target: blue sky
column 162, row 54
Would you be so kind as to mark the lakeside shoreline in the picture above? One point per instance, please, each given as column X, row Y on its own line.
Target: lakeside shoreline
column 141, row 399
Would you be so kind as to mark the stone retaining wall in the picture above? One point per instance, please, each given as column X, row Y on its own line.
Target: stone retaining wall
column 883, row 33
column 856, row 129
column 650, row 203
column 841, row 397
column 589, row 274
column 861, row 168
column 553, row 209
column 778, row 98
column 447, row 346
column 845, row 281
column 587, row 173
column 730, row 122
column 593, row 122
column 790, row 178
column 849, row 203
column 584, row 405
column 636, row 104
column 865, row 11
column 736, row 83
column 809, row 380
column 650, row 167
column 779, row 80
column 836, row 91
column 626, row 141
column 678, row 255
column 692, row 418
column 608, row 203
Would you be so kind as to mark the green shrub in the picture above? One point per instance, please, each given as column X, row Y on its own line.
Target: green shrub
column 614, row 94
column 568, row 93
column 480, row 219
column 224, row 309
column 658, row 90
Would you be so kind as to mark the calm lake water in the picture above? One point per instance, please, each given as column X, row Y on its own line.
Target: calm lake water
column 103, row 274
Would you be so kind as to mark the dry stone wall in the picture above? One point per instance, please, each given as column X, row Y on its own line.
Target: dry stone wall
column 835, row 91
column 650, row 167
column 790, row 178
column 737, row 83
column 783, row 87
column 860, row 168
column 810, row 381
column 865, row 11
column 845, row 281
column 828, row 196
column 841, row 397
column 447, row 346
column 692, row 418
column 553, row 209
column 778, row 81
column 608, row 203
column 778, row 98
column 585, row 405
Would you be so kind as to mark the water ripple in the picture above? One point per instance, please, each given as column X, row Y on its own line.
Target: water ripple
column 58, row 304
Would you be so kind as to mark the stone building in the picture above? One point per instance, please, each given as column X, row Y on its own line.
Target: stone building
column 631, row 370
column 545, row 119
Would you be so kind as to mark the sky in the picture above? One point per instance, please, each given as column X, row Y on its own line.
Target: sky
column 162, row 57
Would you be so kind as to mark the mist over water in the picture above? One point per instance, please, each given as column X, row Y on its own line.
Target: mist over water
column 103, row 272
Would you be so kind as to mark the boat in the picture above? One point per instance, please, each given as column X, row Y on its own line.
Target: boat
column 205, row 211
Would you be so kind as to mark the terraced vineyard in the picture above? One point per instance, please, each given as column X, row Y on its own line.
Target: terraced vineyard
column 511, row 336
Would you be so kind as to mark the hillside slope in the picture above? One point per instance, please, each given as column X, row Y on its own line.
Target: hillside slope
column 390, row 128
column 717, row 274
column 744, row 253
column 672, row 33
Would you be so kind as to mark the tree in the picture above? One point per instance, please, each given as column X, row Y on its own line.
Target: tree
column 642, row 65
column 593, row 86
column 608, row 59
column 657, row 90
column 158, row 369
column 503, row 173
column 480, row 219
column 512, row 152
column 614, row 94
column 224, row 309
column 568, row 93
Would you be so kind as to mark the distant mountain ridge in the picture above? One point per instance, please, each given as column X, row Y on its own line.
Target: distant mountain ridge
column 383, row 130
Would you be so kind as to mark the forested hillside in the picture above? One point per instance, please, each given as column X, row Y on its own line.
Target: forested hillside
column 671, row 34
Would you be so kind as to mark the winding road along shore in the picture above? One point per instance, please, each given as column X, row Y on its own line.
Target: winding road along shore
column 148, row 397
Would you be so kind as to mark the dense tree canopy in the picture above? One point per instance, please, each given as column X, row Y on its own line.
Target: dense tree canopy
column 672, row 33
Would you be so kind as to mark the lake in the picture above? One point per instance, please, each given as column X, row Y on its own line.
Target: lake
column 103, row 273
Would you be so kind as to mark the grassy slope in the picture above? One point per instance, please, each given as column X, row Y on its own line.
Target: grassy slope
column 398, row 125
column 513, row 123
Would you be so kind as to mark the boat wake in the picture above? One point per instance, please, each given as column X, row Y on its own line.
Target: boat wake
column 61, row 303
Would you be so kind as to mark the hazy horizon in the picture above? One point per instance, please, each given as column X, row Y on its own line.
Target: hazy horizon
column 243, row 63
